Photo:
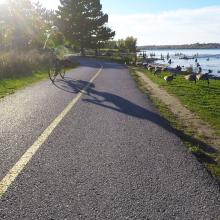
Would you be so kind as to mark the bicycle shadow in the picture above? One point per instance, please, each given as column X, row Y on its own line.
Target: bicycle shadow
column 70, row 85
column 124, row 106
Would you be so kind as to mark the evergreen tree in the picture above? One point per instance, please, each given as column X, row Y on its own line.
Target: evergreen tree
column 83, row 23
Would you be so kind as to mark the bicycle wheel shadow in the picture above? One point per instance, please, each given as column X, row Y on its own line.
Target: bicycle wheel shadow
column 72, row 86
column 124, row 106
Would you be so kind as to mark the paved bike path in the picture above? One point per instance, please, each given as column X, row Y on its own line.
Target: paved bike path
column 112, row 157
column 27, row 113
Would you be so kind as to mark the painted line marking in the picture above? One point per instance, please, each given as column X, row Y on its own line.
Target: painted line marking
column 13, row 173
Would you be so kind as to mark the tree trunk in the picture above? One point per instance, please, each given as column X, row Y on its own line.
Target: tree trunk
column 96, row 52
column 82, row 50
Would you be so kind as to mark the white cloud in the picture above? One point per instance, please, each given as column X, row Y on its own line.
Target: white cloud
column 170, row 27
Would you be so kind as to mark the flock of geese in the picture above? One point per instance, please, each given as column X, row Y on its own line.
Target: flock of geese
column 155, row 69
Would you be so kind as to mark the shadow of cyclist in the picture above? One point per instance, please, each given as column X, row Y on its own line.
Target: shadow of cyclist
column 124, row 106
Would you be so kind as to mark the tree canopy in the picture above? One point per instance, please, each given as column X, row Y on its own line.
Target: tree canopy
column 23, row 24
column 84, row 23
column 129, row 44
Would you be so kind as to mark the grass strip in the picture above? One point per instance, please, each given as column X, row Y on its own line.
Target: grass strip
column 12, row 84
column 9, row 86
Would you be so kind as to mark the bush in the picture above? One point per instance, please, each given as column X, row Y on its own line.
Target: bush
column 21, row 63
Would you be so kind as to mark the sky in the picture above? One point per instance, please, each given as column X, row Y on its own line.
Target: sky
column 161, row 22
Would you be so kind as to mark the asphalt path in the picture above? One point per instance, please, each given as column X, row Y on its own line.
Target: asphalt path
column 111, row 157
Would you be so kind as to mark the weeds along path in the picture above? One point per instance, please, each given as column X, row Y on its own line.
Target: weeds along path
column 190, row 120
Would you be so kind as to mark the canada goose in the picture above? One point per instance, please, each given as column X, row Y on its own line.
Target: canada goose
column 169, row 78
column 203, row 76
column 164, row 69
column 157, row 70
column 138, row 63
column 145, row 65
column 150, row 68
column 190, row 77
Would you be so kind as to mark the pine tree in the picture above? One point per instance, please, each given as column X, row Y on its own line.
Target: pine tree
column 83, row 23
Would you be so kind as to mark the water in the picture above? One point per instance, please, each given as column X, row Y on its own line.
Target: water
column 209, row 59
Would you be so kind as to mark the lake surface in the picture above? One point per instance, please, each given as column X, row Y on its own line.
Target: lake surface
column 208, row 59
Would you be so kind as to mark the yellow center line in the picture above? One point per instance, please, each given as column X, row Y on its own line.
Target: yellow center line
column 13, row 173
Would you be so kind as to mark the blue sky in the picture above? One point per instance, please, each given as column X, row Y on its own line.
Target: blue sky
column 143, row 6
column 161, row 22
column 153, row 6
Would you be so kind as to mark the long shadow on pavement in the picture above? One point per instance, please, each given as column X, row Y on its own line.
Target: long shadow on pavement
column 124, row 106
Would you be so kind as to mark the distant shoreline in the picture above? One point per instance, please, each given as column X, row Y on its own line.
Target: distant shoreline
column 180, row 47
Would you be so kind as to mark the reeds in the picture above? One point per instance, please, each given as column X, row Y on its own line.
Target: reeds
column 21, row 63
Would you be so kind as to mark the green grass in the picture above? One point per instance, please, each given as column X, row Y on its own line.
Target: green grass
column 111, row 50
column 12, row 84
column 199, row 98
column 9, row 86
column 208, row 156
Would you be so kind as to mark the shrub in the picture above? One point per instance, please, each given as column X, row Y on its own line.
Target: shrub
column 21, row 63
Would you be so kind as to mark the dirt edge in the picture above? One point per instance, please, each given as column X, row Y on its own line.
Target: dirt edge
column 190, row 119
